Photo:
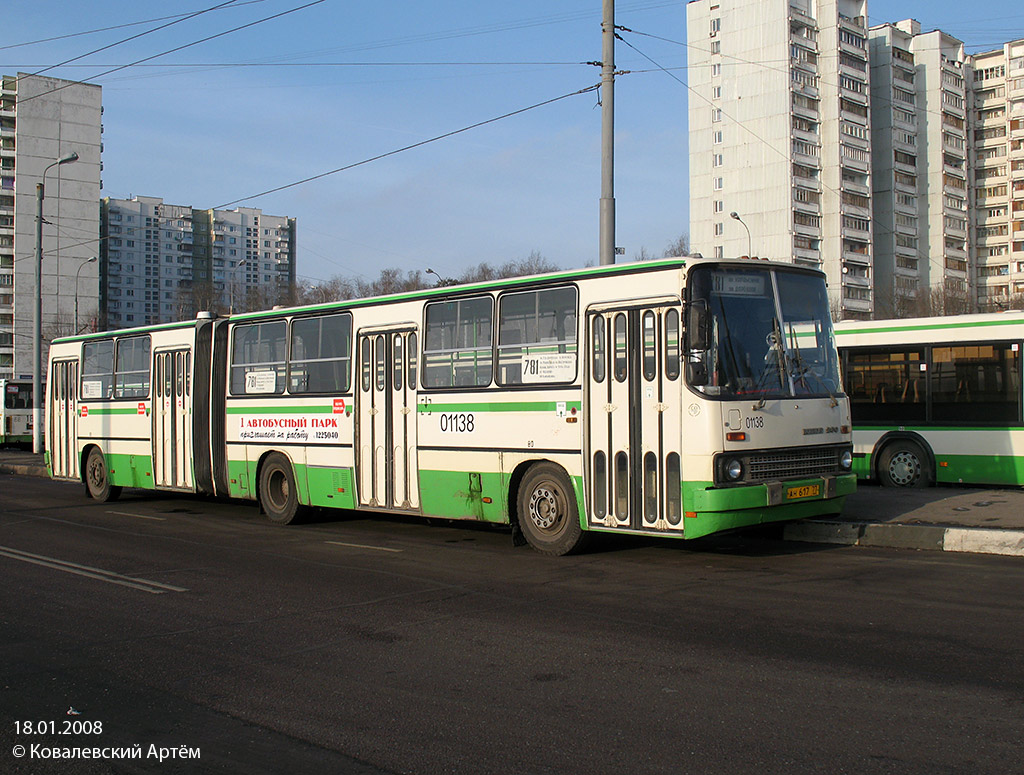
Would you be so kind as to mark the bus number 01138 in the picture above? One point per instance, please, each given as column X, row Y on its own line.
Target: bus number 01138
column 458, row 422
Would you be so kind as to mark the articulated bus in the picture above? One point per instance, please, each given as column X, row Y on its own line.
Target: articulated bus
column 16, row 412
column 662, row 398
column 936, row 400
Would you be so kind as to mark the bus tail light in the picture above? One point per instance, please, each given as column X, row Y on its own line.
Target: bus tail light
column 736, row 436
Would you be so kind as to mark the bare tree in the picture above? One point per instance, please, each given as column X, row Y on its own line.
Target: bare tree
column 680, row 246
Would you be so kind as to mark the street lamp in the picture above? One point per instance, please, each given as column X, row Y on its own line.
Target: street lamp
column 37, row 321
column 231, row 285
column 736, row 217
column 78, row 276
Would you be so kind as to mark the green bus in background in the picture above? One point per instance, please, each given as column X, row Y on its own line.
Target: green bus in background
column 936, row 400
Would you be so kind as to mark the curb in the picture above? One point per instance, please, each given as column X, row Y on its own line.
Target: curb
column 976, row 540
column 24, row 469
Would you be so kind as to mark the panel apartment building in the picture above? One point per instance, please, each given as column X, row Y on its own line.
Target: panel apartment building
column 43, row 119
column 997, row 147
column 163, row 262
column 921, row 197
column 779, row 134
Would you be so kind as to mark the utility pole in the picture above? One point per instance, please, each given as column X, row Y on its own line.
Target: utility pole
column 607, row 226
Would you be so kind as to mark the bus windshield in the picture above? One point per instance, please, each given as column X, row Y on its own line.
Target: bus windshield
column 769, row 334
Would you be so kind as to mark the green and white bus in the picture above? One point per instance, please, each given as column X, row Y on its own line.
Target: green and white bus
column 662, row 398
column 16, row 412
column 936, row 400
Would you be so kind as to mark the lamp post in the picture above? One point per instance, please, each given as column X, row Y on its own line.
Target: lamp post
column 736, row 217
column 78, row 277
column 231, row 286
column 431, row 271
column 37, row 321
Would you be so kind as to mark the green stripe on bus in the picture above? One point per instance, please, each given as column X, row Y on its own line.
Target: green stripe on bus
column 509, row 406
column 923, row 429
column 112, row 410
column 931, row 327
column 290, row 409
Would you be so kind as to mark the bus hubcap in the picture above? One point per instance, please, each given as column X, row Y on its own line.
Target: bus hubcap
column 903, row 468
column 544, row 507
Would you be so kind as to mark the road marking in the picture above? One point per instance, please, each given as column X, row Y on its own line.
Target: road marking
column 153, row 587
column 137, row 516
column 365, row 546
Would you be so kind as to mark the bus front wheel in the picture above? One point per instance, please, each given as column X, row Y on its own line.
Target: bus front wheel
column 278, row 496
column 97, row 481
column 547, row 510
column 903, row 464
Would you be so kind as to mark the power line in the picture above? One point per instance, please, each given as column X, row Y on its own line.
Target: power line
column 394, row 152
column 133, row 37
column 182, row 47
column 170, row 65
column 237, row 4
column 408, row 147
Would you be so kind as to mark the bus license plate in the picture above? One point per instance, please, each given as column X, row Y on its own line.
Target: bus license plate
column 807, row 491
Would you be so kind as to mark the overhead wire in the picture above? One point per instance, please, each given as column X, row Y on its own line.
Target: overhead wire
column 394, row 152
column 133, row 37
column 182, row 47
column 237, row 4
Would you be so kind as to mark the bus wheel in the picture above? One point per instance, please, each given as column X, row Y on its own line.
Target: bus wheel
column 903, row 464
column 547, row 510
column 97, row 483
column 278, row 496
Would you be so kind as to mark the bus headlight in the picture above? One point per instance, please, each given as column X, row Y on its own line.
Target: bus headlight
column 734, row 469
column 846, row 460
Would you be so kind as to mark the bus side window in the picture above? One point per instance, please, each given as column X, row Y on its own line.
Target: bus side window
column 598, row 349
column 621, row 355
column 672, row 354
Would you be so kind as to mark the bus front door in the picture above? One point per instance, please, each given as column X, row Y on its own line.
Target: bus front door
column 633, row 418
column 172, row 427
column 62, row 419
column 387, row 465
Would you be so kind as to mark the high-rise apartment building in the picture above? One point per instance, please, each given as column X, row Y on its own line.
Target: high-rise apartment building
column 996, row 103
column 920, row 170
column 43, row 119
column 779, row 135
column 162, row 262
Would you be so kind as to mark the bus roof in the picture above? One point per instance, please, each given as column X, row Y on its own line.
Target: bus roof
column 930, row 324
column 634, row 267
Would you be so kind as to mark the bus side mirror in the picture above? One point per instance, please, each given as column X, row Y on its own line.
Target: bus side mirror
column 697, row 329
column 697, row 373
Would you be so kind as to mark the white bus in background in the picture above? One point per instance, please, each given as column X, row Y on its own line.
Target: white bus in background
column 665, row 398
column 936, row 400
column 16, row 412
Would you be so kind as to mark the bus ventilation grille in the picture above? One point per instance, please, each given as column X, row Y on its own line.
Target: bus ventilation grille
column 793, row 465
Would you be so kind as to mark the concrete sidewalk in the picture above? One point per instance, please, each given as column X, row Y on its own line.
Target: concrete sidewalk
column 949, row 519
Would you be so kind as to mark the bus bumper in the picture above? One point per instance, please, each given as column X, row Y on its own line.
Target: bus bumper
column 709, row 509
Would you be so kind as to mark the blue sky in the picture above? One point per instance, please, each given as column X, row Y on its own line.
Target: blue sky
column 212, row 134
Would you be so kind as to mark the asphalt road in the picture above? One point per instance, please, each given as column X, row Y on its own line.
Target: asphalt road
column 368, row 645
